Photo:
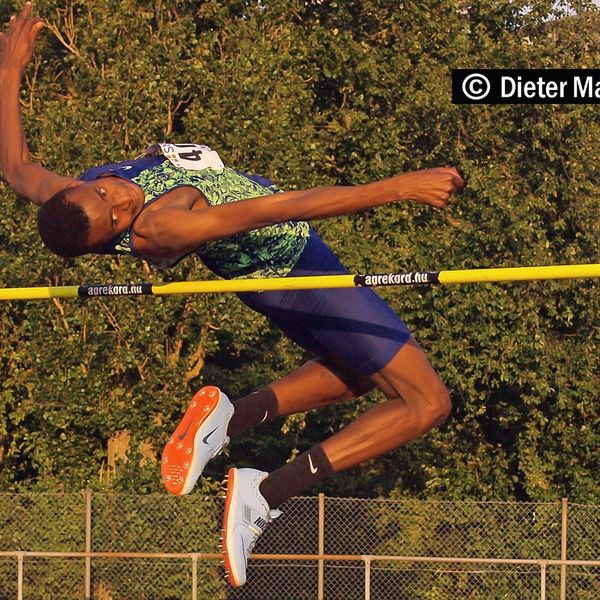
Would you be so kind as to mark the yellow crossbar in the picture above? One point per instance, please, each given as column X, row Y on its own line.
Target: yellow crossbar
column 520, row 274
column 301, row 283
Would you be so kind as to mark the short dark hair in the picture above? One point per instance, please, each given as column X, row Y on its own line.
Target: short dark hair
column 63, row 226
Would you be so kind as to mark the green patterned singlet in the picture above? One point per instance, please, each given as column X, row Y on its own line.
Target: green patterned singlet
column 271, row 251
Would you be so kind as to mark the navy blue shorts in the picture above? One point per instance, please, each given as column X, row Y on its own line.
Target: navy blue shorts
column 353, row 324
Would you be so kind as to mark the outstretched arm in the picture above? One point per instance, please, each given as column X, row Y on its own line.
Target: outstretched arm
column 172, row 232
column 27, row 179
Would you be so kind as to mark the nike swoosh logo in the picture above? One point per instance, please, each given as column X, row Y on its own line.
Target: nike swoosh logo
column 313, row 469
column 265, row 417
column 205, row 438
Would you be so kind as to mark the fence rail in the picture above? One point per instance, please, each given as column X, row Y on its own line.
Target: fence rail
column 113, row 547
column 366, row 560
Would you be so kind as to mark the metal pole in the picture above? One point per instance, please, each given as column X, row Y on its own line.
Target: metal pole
column 367, row 560
column 563, row 549
column 20, row 576
column 543, row 566
column 88, row 543
column 308, row 557
column 321, row 585
column 194, row 577
column 305, row 283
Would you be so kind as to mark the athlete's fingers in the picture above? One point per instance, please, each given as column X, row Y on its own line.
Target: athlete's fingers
column 453, row 186
column 459, row 182
column 456, row 175
column 35, row 29
column 38, row 25
column 19, row 22
column 456, row 181
column 34, row 26
column 439, row 202
column 26, row 11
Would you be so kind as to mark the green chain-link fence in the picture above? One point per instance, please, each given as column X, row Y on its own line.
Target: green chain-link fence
column 336, row 527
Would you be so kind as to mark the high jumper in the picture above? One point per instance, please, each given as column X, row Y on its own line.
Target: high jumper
column 180, row 199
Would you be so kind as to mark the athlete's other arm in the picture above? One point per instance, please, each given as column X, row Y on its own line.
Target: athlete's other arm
column 29, row 180
column 172, row 232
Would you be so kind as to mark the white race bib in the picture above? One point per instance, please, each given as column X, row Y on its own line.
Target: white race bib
column 193, row 157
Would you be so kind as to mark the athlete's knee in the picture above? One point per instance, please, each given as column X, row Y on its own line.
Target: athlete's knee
column 440, row 406
column 430, row 408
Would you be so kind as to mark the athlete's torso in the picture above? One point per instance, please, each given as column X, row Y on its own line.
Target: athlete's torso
column 268, row 252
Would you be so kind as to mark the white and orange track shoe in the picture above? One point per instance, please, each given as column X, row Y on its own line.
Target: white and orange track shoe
column 246, row 516
column 200, row 436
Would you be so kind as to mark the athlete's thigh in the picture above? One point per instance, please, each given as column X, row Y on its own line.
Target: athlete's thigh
column 357, row 327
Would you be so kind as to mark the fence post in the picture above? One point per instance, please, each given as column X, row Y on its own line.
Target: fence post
column 88, row 543
column 321, row 583
column 563, row 549
column 194, row 577
column 367, row 560
column 543, row 567
column 20, row 576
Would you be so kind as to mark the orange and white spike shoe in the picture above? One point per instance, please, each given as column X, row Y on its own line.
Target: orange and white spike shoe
column 200, row 436
column 246, row 516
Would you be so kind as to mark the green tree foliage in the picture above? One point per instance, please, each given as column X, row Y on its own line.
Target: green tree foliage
column 313, row 93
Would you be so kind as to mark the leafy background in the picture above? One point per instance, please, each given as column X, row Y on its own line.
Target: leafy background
column 315, row 93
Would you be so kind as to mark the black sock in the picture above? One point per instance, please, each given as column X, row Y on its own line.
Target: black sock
column 253, row 409
column 296, row 476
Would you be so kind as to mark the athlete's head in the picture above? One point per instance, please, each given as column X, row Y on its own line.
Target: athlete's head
column 84, row 217
column 64, row 226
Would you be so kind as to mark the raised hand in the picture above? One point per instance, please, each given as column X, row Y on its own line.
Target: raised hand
column 430, row 186
column 17, row 43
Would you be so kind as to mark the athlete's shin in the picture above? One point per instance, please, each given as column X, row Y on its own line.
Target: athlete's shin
column 298, row 475
column 253, row 409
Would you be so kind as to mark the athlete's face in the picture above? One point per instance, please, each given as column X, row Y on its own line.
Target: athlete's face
column 111, row 204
